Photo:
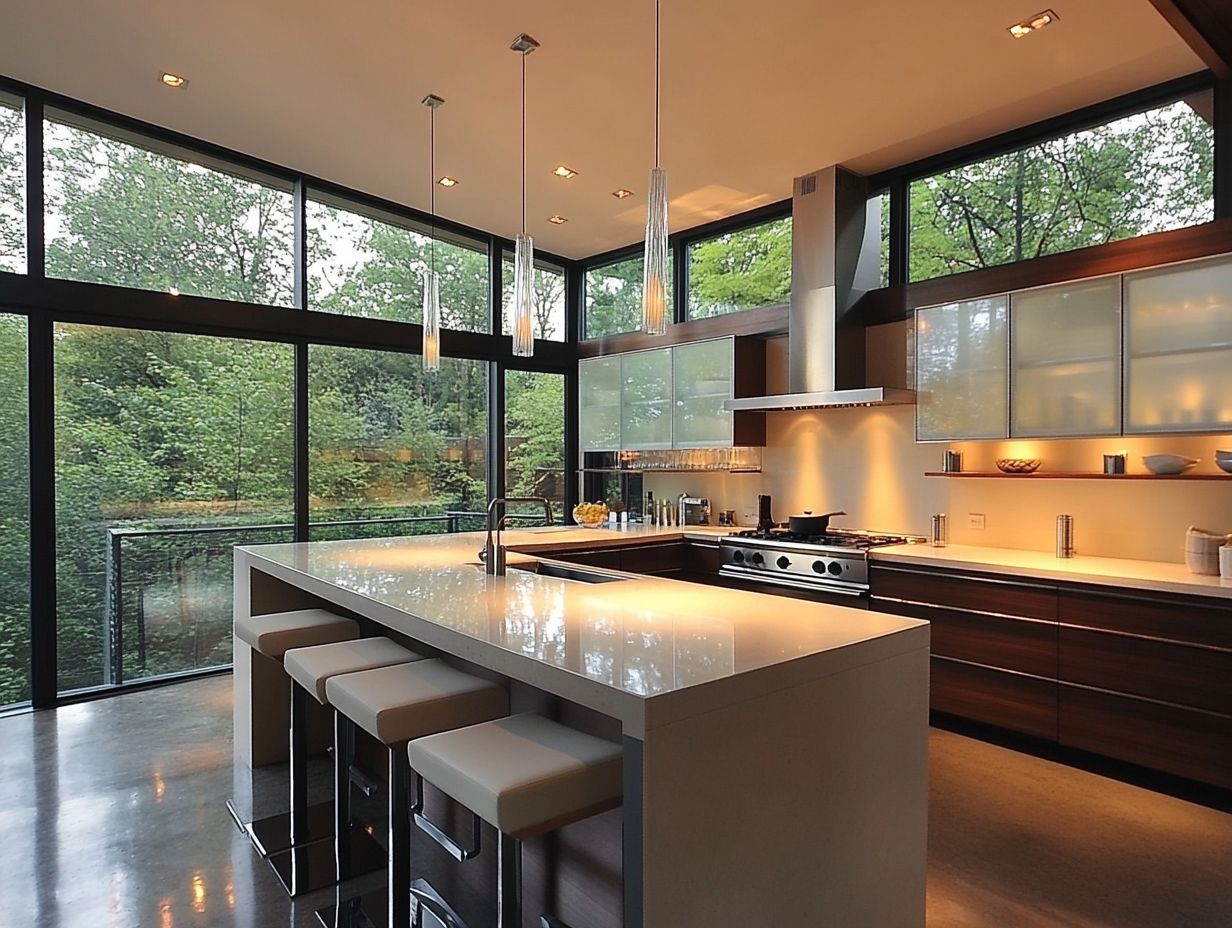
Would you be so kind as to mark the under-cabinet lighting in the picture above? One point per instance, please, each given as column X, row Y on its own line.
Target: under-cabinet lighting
column 563, row 170
column 1033, row 24
column 173, row 80
column 448, row 181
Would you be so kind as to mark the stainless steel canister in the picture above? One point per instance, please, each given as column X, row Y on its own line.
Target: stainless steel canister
column 941, row 530
column 1065, row 536
column 952, row 462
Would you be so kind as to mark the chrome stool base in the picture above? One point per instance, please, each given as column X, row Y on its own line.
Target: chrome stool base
column 309, row 867
column 273, row 833
column 371, row 910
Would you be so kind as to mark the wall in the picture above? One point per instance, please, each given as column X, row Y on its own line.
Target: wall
column 867, row 462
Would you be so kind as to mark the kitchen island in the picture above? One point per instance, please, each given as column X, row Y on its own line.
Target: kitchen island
column 775, row 751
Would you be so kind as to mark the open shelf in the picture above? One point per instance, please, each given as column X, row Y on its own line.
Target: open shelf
column 1078, row 475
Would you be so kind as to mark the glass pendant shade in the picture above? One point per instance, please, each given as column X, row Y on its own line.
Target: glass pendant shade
column 431, row 321
column 523, row 296
column 655, row 280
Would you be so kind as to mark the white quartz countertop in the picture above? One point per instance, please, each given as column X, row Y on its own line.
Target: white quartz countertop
column 646, row 650
column 1103, row 571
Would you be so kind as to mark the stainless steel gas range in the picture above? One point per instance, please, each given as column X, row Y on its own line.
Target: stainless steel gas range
column 833, row 565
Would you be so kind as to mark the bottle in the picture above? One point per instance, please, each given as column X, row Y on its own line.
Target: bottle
column 648, row 513
column 941, row 530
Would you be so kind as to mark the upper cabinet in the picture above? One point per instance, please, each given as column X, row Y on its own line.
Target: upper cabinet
column 1065, row 360
column 703, row 373
column 1178, row 348
column 962, row 370
column 1056, row 361
column 672, row 397
column 646, row 399
column 599, row 404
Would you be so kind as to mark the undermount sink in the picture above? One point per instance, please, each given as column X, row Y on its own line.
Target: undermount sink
column 566, row 572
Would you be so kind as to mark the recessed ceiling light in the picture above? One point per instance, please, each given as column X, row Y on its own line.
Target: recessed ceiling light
column 558, row 220
column 563, row 170
column 173, row 80
column 447, row 181
column 622, row 193
column 1033, row 23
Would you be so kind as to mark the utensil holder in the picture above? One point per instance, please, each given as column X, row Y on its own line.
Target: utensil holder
column 1225, row 562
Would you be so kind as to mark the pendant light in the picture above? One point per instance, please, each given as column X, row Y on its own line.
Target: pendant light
column 654, row 259
column 431, row 282
column 524, row 247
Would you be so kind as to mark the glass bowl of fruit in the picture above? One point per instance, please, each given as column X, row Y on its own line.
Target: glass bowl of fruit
column 590, row 515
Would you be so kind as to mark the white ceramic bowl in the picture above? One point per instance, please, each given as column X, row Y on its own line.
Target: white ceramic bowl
column 1167, row 464
column 1223, row 460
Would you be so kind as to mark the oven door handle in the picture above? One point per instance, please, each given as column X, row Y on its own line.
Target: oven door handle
column 744, row 573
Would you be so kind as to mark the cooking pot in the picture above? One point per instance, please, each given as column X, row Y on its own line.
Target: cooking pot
column 809, row 524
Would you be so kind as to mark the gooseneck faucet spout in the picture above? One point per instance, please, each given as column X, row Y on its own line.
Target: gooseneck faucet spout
column 493, row 553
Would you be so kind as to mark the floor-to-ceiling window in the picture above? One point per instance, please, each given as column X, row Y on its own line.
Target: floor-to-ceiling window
column 395, row 449
column 122, row 213
column 170, row 450
column 12, row 186
column 14, row 514
column 535, row 437
column 372, row 264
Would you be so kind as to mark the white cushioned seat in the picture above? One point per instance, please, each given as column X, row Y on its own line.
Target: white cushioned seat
column 523, row 774
column 275, row 634
column 311, row 667
column 396, row 704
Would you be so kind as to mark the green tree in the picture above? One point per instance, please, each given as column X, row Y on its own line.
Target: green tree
column 1140, row 174
column 741, row 270
column 12, row 190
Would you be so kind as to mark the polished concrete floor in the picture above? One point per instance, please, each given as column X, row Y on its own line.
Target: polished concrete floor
column 111, row 814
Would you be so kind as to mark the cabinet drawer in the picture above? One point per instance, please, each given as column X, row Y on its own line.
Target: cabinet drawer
column 1020, row 703
column 700, row 557
column 1179, row 741
column 1177, row 673
column 1015, row 644
column 964, row 592
column 1200, row 623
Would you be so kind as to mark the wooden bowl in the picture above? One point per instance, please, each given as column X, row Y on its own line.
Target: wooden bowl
column 1018, row 465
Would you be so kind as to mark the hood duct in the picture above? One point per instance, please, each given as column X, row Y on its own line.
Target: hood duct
column 835, row 259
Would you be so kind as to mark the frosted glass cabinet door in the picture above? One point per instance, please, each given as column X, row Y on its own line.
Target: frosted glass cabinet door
column 703, row 378
column 962, row 376
column 1065, row 360
column 1178, row 348
column 599, row 404
column 646, row 399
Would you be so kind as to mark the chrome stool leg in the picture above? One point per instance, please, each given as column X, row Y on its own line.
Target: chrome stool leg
column 509, row 879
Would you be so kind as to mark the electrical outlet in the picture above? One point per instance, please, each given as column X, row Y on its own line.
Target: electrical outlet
column 975, row 520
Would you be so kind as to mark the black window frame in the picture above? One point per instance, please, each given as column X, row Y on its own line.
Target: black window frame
column 46, row 301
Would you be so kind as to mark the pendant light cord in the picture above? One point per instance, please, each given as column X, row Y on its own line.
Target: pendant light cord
column 657, row 164
column 524, row 142
column 432, row 184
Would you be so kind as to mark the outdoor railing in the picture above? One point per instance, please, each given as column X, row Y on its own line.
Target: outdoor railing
column 169, row 591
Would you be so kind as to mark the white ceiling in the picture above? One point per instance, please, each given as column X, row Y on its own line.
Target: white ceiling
column 753, row 93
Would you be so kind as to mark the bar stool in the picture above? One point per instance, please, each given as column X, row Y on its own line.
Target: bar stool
column 396, row 705
column 310, row 863
column 524, row 775
column 272, row 636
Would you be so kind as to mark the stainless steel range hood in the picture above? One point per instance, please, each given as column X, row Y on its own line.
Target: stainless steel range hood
column 835, row 259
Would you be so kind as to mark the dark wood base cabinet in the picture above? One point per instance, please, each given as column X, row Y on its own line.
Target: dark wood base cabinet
column 1138, row 677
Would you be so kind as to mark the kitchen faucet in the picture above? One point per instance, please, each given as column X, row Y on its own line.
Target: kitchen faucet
column 493, row 553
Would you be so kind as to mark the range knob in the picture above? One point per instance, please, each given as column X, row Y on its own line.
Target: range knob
column 738, row 556
column 758, row 559
column 819, row 567
column 835, row 568
column 783, row 562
